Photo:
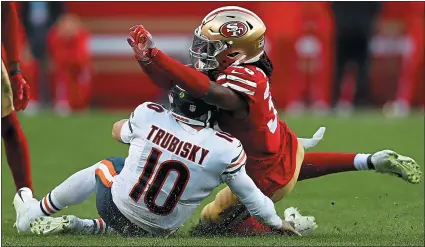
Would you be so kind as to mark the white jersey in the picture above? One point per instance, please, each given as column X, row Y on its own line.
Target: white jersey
column 171, row 168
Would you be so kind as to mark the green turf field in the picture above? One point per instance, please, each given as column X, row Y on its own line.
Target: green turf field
column 357, row 208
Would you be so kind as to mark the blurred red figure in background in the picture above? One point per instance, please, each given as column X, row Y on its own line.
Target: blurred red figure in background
column 70, row 62
column 300, row 38
column 410, row 84
column 30, row 65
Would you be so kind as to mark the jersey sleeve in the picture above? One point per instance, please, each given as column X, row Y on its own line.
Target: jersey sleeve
column 259, row 206
column 127, row 129
column 234, row 175
column 126, row 133
column 243, row 79
column 235, row 159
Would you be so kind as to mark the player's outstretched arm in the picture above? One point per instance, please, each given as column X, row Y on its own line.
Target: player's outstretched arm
column 194, row 82
column 225, row 98
column 259, row 206
column 158, row 76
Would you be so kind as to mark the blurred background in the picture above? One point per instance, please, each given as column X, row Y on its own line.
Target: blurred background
column 328, row 57
column 343, row 65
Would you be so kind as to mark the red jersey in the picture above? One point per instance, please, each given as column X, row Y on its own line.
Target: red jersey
column 267, row 140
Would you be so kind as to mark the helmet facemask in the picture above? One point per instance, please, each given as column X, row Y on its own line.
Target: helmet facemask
column 204, row 52
column 207, row 55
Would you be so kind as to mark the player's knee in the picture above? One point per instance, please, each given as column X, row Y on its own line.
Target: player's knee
column 211, row 212
column 206, row 214
column 9, row 125
column 223, row 200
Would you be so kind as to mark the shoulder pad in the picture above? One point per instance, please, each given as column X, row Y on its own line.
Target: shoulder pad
column 145, row 111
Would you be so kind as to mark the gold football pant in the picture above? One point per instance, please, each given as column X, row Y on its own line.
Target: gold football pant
column 6, row 93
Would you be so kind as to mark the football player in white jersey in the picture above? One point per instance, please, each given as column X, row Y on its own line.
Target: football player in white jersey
column 175, row 160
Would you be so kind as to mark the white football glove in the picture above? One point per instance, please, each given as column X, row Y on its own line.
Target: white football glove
column 303, row 224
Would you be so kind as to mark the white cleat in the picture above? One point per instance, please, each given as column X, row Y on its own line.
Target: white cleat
column 22, row 202
column 390, row 162
column 54, row 225
column 303, row 224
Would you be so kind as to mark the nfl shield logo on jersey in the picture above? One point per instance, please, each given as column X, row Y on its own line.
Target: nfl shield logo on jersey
column 192, row 108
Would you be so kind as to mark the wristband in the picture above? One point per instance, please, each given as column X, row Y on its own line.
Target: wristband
column 15, row 72
column 150, row 54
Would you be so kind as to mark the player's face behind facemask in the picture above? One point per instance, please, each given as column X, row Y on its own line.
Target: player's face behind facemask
column 191, row 110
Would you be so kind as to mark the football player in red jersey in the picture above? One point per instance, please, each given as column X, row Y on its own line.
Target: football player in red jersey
column 231, row 70
column 15, row 96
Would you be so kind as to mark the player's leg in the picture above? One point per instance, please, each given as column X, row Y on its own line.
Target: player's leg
column 225, row 212
column 15, row 142
column 74, row 190
column 218, row 214
column 88, row 179
column 111, row 220
column 318, row 164
column 251, row 226
column 281, row 193
column 223, row 200
column 109, row 211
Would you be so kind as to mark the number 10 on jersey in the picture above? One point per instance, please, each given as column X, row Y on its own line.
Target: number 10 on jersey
column 154, row 188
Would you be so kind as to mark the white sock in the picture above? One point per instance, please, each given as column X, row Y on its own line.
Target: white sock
column 360, row 162
column 94, row 226
column 74, row 190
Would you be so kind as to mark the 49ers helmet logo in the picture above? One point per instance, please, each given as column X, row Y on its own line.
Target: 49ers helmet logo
column 233, row 29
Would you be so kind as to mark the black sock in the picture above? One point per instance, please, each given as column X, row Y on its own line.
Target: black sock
column 370, row 165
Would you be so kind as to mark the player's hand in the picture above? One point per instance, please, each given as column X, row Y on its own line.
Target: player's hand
column 288, row 230
column 140, row 40
column 21, row 91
